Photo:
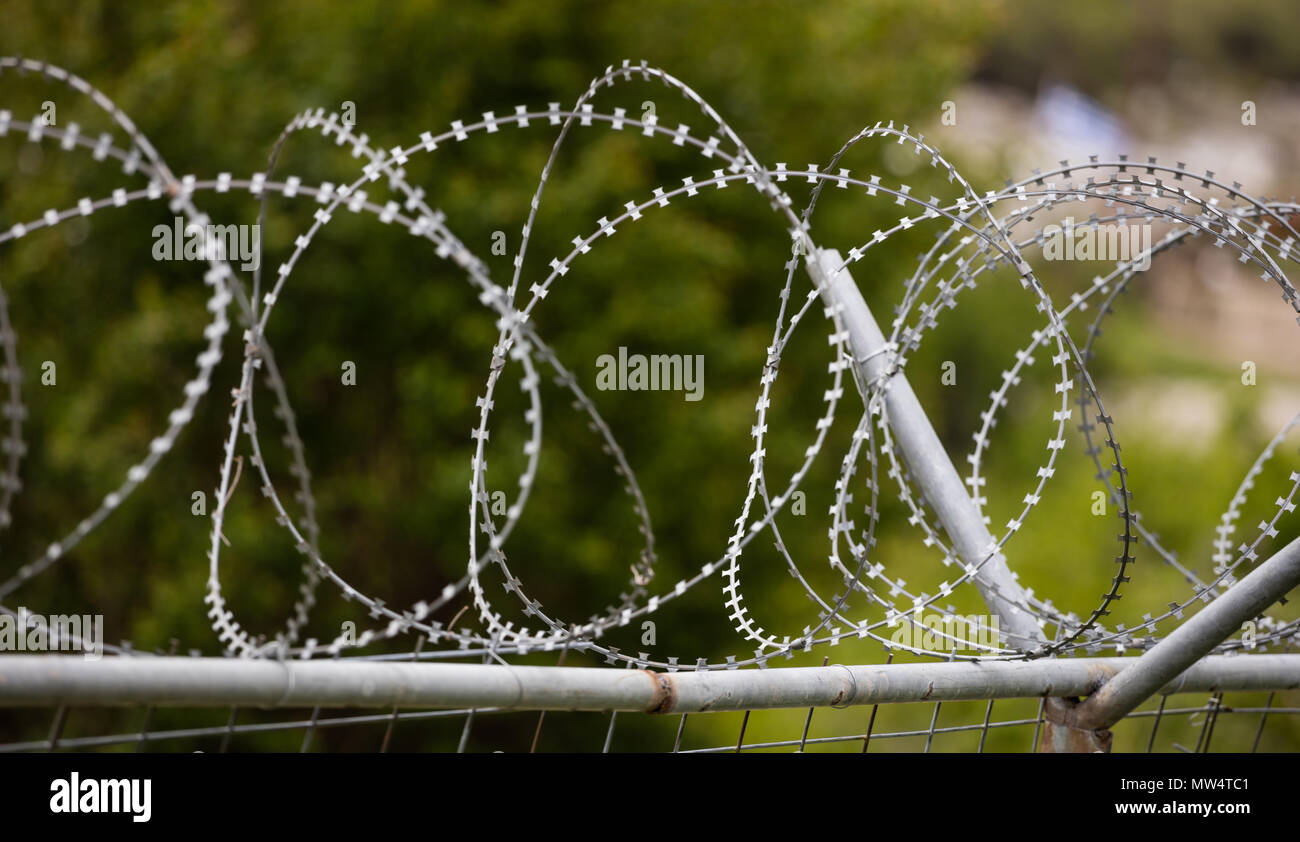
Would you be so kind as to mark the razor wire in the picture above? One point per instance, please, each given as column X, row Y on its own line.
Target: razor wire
column 975, row 243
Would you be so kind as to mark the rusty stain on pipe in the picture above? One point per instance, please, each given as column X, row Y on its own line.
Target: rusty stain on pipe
column 664, row 690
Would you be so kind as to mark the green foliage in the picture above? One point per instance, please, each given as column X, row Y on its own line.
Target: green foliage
column 213, row 84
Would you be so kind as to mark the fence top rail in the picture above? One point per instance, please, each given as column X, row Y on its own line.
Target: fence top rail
column 29, row 680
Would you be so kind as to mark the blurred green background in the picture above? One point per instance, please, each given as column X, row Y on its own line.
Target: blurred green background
column 212, row 85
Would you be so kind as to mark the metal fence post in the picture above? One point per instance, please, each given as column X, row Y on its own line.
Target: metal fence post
column 925, row 453
column 942, row 485
column 1080, row 727
column 1191, row 641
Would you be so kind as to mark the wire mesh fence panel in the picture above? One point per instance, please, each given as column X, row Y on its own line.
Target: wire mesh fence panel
column 1184, row 723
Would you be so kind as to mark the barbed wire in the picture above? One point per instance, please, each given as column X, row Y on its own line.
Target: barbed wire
column 979, row 236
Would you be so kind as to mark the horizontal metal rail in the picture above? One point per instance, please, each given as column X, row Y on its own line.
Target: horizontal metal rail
column 1244, row 601
column 43, row 680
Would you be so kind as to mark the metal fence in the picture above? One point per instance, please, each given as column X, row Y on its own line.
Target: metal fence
column 1021, row 650
column 368, row 705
